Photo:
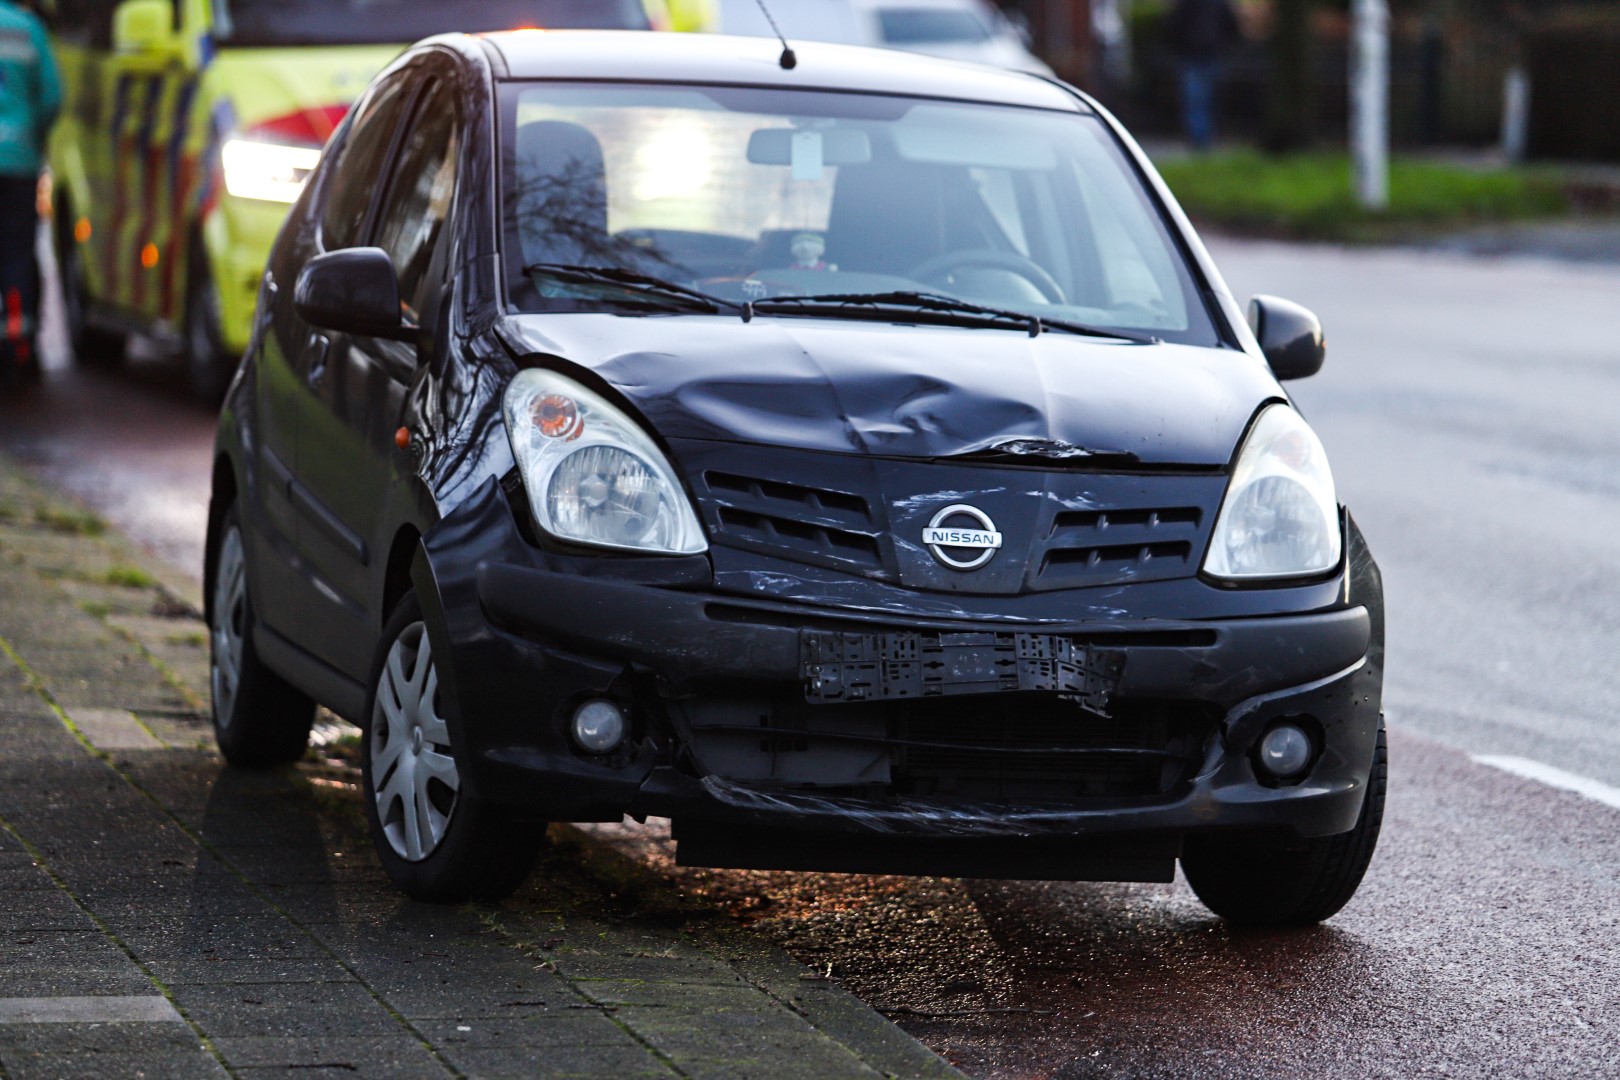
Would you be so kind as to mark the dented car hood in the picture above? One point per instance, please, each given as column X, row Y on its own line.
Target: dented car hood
column 912, row 391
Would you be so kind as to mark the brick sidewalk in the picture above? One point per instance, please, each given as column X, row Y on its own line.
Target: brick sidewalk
column 162, row 915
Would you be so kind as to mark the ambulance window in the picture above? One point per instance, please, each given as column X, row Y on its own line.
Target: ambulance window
column 420, row 195
column 86, row 22
column 360, row 161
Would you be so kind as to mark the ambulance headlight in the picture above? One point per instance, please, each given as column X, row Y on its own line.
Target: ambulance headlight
column 267, row 171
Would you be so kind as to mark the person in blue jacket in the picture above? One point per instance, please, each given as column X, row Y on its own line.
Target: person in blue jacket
column 30, row 96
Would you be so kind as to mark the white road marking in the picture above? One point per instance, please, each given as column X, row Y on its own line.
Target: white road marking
column 88, row 1010
column 1595, row 790
column 114, row 729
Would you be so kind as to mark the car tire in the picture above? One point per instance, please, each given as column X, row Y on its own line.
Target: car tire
column 435, row 840
column 92, row 344
column 209, row 367
column 1254, row 883
column 260, row 719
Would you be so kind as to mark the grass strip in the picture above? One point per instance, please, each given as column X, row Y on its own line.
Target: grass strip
column 1310, row 195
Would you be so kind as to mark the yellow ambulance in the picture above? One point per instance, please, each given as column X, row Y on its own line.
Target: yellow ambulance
column 187, row 130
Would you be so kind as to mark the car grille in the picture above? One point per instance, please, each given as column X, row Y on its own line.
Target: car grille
column 1047, row 748
column 813, row 523
column 1097, row 547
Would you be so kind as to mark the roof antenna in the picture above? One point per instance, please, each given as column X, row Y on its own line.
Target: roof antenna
column 788, row 61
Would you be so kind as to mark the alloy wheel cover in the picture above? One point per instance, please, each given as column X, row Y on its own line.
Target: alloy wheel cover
column 230, row 626
column 414, row 776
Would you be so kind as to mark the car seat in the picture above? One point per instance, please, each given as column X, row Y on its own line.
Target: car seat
column 560, row 204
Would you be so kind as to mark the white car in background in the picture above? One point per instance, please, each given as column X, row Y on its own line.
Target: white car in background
column 957, row 29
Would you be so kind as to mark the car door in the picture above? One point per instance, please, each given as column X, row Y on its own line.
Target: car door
column 348, row 457
column 291, row 355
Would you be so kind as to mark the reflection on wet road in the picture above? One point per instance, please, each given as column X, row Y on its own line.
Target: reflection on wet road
column 131, row 442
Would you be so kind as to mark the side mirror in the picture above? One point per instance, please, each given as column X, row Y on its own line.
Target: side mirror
column 144, row 29
column 1289, row 335
column 352, row 291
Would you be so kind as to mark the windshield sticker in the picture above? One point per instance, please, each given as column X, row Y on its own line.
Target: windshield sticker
column 806, row 155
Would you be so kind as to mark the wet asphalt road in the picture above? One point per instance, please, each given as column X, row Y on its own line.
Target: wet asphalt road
column 1470, row 409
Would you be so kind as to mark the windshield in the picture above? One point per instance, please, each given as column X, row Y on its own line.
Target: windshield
column 752, row 195
column 367, row 22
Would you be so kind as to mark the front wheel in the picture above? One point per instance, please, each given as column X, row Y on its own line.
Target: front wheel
column 260, row 719
column 1256, row 883
column 435, row 840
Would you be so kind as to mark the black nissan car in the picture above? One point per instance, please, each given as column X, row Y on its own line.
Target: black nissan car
column 858, row 462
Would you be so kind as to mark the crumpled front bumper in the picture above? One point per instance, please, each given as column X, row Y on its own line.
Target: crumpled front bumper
column 530, row 635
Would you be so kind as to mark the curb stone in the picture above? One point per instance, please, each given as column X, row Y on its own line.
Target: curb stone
column 246, row 910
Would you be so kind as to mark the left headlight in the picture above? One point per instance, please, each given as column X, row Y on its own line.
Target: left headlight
column 592, row 474
column 1281, row 515
column 268, row 171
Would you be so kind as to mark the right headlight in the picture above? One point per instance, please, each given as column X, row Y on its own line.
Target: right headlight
column 1281, row 515
column 593, row 476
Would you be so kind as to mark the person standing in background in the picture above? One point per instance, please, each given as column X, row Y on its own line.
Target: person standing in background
column 30, row 96
column 1198, row 32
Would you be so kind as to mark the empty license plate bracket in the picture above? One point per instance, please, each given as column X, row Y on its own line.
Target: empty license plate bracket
column 843, row 668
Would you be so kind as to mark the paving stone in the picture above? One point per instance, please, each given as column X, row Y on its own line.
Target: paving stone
column 164, row 1065
column 396, row 1055
column 176, row 937
column 280, row 1010
column 25, row 920
column 239, row 971
column 525, row 1063
column 76, row 980
column 96, row 1040
column 563, row 1024
column 698, row 970
column 85, row 948
column 22, row 878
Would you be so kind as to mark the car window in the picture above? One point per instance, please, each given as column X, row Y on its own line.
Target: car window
column 421, row 190
column 360, row 160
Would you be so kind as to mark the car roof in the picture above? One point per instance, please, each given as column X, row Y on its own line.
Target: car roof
column 615, row 55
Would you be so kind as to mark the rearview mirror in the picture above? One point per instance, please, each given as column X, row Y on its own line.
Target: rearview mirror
column 352, row 291
column 789, row 146
column 1289, row 335
column 144, row 30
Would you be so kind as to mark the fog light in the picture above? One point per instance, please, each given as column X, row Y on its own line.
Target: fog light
column 1285, row 751
column 599, row 726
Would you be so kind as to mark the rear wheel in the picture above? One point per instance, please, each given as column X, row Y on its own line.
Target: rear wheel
column 1257, row 883
column 435, row 840
column 260, row 719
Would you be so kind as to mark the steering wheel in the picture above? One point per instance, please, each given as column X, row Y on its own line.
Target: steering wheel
column 934, row 270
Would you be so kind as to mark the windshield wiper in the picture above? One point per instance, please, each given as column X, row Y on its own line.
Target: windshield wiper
column 644, row 286
column 940, row 304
